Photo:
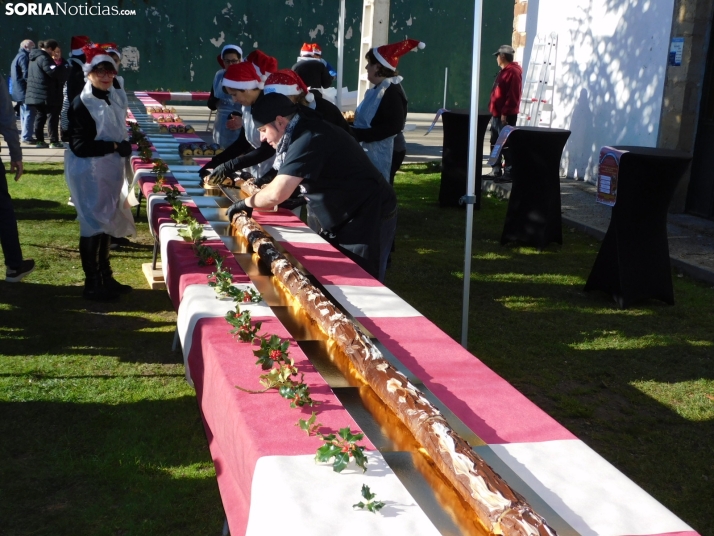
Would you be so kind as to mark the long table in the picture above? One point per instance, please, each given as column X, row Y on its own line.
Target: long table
column 264, row 462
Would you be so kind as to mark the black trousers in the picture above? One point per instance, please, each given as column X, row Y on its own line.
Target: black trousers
column 496, row 127
column 9, row 238
column 47, row 114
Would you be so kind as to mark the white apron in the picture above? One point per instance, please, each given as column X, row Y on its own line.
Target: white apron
column 97, row 184
column 379, row 152
column 222, row 135
column 253, row 137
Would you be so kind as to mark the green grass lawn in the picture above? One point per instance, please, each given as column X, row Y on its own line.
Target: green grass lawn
column 101, row 435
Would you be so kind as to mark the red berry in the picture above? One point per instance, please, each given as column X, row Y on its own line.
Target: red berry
column 275, row 355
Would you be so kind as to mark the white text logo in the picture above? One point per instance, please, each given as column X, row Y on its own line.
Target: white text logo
column 61, row 8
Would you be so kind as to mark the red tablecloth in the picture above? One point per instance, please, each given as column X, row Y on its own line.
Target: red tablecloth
column 182, row 268
column 242, row 427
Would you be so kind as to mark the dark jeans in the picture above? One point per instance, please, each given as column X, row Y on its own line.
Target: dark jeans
column 8, row 225
column 397, row 159
column 496, row 127
column 51, row 116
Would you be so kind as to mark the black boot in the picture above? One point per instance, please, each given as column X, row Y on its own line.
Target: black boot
column 105, row 268
column 89, row 253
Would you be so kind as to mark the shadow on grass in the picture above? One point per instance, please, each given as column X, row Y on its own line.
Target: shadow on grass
column 106, row 469
column 422, row 169
column 41, row 210
column 44, row 319
column 56, row 169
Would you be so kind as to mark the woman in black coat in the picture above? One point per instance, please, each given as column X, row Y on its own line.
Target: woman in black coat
column 42, row 94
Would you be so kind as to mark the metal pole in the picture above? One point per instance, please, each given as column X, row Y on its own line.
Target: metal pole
column 446, row 80
column 470, row 188
column 340, row 53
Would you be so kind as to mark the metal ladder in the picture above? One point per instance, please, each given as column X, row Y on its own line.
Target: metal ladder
column 539, row 87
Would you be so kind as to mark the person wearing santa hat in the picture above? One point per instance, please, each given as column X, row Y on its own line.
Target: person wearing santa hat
column 94, row 170
column 75, row 80
column 355, row 206
column 380, row 117
column 311, row 59
column 245, row 83
column 226, row 127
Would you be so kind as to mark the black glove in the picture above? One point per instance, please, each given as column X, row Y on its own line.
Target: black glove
column 293, row 202
column 124, row 148
column 203, row 172
column 266, row 179
column 235, row 208
column 217, row 175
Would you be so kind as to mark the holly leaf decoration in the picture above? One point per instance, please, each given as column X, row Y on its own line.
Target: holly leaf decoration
column 360, row 459
column 272, row 350
column 371, row 505
column 348, row 436
column 342, row 447
column 340, row 462
column 309, row 426
column 367, row 493
column 326, row 452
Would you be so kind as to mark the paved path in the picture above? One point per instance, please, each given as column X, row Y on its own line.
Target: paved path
column 691, row 239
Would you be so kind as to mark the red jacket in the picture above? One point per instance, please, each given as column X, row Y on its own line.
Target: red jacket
column 506, row 92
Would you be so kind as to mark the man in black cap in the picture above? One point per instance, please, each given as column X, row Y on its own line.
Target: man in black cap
column 355, row 206
column 505, row 100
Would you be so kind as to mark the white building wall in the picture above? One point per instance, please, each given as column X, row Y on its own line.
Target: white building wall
column 610, row 72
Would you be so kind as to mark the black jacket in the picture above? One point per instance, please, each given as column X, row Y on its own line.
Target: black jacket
column 83, row 129
column 389, row 118
column 41, row 75
column 55, row 96
column 314, row 73
column 75, row 78
column 330, row 112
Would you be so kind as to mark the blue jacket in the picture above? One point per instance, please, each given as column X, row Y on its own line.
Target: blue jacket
column 18, row 75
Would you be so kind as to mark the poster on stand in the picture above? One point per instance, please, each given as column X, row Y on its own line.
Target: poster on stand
column 608, row 172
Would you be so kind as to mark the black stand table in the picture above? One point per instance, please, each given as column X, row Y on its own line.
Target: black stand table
column 633, row 261
column 533, row 214
column 455, row 156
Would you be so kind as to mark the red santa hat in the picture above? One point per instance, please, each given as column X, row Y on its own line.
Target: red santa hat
column 77, row 42
column 229, row 48
column 310, row 50
column 388, row 55
column 242, row 76
column 264, row 64
column 111, row 48
column 287, row 82
column 94, row 55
